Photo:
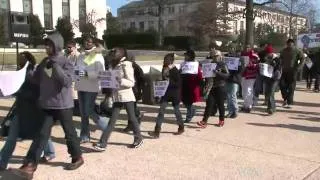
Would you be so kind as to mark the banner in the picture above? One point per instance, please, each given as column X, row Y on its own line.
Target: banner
column 189, row 67
column 160, row 88
column 232, row 63
column 108, row 79
column 266, row 70
column 311, row 40
column 208, row 70
column 11, row 81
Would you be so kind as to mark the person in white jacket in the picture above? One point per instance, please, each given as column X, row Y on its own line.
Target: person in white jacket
column 122, row 97
column 89, row 64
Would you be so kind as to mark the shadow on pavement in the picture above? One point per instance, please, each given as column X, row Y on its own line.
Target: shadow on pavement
column 8, row 175
column 288, row 126
column 260, row 109
column 297, row 103
column 307, row 118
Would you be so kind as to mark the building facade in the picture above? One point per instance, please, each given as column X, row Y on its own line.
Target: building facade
column 49, row 11
column 140, row 16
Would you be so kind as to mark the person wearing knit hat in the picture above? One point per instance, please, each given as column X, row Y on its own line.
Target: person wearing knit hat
column 248, row 79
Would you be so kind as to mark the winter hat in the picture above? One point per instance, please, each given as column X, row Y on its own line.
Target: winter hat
column 269, row 49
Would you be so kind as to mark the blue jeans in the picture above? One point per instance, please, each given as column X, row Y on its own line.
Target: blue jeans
column 232, row 101
column 87, row 109
column 11, row 142
column 191, row 111
column 162, row 110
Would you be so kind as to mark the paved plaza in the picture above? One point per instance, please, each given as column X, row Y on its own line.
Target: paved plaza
column 253, row 146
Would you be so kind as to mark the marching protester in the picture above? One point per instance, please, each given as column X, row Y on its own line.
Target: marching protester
column 217, row 92
column 191, row 90
column 170, row 73
column 25, row 114
column 259, row 84
column 122, row 97
column 317, row 72
column 54, row 77
column 137, row 90
column 308, row 68
column 272, row 82
column 89, row 64
column 250, row 72
column 232, row 87
column 292, row 60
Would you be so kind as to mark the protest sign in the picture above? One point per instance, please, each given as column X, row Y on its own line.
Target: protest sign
column 160, row 88
column 266, row 70
column 108, row 79
column 11, row 81
column 189, row 67
column 232, row 63
column 209, row 70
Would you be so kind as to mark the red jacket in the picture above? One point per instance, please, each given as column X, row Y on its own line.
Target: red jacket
column 191, row 90
column 252, row 70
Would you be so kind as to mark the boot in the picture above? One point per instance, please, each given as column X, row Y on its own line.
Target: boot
column 180, row 130
column 75, row 163
column 156, row 133
column 25, row 171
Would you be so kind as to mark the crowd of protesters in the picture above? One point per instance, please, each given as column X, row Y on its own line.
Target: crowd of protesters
column 63, row 82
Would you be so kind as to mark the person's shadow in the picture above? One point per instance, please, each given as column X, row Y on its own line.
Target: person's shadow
column 7, row 174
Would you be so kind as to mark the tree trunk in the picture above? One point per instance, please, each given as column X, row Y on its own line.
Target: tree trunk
column 160, row 25
column 249, row 23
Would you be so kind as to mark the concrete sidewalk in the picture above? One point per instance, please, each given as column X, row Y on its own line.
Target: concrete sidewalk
column 253, row 146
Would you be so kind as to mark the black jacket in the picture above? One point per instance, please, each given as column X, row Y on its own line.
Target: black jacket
column 173, row 92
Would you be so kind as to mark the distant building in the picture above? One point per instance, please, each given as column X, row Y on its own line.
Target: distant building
column 138, row 15
column 49, row 11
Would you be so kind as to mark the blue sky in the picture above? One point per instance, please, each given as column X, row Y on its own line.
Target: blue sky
column 115, row 4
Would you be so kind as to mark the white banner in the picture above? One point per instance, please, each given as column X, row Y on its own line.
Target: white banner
column 108, row 79
column 208, row 70
column 311, row 40
column 11, row 81
column 189, row 67
column 232, row 63
column 160, row 88
column 266, row 70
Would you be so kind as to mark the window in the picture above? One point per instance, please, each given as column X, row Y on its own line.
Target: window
column 82, row 10
column 171, row 10
column 133, row 25
column 171, row 25
column 4, row 4
column 141, row 26
column 66, row 8
column 27, row 6
column 182, row 9
column 151, row 24
column 47, row 4
column 241, row 25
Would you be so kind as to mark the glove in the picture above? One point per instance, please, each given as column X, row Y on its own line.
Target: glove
column 50, row 64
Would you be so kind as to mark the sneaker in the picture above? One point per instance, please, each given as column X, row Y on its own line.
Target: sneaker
column 75, row 163
column 127, row 129
column 136, row 144
column 270, row 111
column 180, row 130
column 98, row 147
column 284, row 104
column 202, row 124
column 84, row 140
column 221, row 123
column 46, row 159
column 154, row 134
column 233, row 116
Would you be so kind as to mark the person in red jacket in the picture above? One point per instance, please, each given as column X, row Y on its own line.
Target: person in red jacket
column 249, row 75
column 191, row 90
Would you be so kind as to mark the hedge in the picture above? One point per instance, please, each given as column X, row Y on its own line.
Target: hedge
column 131, row 40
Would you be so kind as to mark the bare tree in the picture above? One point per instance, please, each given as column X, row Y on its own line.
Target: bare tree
column 88, row 26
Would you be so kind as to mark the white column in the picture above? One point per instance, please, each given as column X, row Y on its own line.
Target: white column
column 16, row 5
column 74, row 15
column 56, row 11
column 37, row 8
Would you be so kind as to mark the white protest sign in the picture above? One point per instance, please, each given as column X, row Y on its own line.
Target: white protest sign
column 11, row 81
column 189, row 68
column 266, row 70
column 208, row 70
column 232, row 63
column 108, row 79
column 160, row 88
column 309, row 64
